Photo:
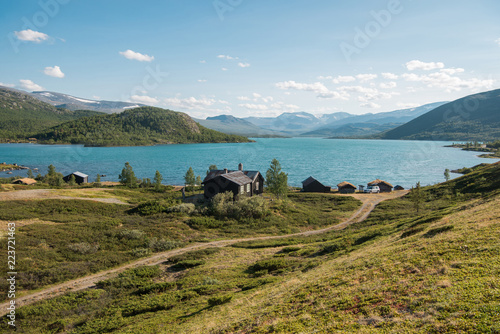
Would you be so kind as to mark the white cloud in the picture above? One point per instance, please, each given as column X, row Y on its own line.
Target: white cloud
column 189, row 103
column 202, row 80
column 203, row 61
column 370, row 105
column 268, row 99
column 420, row 65
column 31, row 36
column 497, row 41
column 448, row 82
column 144, row 99
column 316, row 87
column 30, row 85
column 388, row 85
column 390, row 76
column 54, row 72
column 256, row 95
column 227, row 57
column 334, row 95
column 243, row 98
column 224, row 69
column 243, row 65
column 343, row 78
column 358, row 89
column 252, row 106
column 366, row 77
column 132, row 55
column 407, row 105
column 452, row 71
column 6, row 85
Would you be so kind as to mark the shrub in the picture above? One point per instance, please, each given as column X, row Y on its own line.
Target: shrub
column 162, row 245
column 156, row 288
column 140, row 252
column 411, row 232
column 223, row 206
column 438, row 230
column 219, row 300
column 131, row 234
column 271, row 265
column 84, row 248
column 200, row 223
column 186, row 208
column 188, row 264
column 150, row 208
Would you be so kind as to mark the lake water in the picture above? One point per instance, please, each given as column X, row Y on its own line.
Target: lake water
column 331, row 161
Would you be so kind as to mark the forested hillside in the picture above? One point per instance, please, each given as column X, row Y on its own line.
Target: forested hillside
column 139, row 126
column 22, row 116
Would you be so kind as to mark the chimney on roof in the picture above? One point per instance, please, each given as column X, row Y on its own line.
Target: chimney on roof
column 240, row 167
column 225, row 170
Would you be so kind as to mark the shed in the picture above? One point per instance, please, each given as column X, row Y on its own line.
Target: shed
column 239, row 181
column 26, row 181
column 398, row 187
column 346, row 188
column 311, row 185
column 79, row 177
column 385, row 187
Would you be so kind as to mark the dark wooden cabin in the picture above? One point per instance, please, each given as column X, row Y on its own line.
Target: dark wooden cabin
column 311, row 185
column 79, row 177
column 239, row 182
column 398, row 187
column 385, row 187
column 346, row 188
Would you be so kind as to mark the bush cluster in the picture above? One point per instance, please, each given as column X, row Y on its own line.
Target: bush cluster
column 223, row 206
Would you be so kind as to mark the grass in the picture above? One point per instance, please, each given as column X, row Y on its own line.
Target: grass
column 398, row 271
column 67, row 239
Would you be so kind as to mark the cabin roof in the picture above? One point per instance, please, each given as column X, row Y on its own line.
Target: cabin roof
column 308, row 181
column 346, row 184
column 251, row 174
column 237, row 177
column 79, row 174
column 378, row 182
column 25, row 181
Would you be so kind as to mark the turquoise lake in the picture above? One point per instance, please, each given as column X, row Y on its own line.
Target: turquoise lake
column 331, row 161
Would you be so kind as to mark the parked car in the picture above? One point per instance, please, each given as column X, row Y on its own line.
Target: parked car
column 372, row 189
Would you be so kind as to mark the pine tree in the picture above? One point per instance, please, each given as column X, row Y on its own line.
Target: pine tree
column 72, row 180
column 30, row 174
column 447, row 174
column 416, row 196
column 127, row 176
column 276, row 180
column 157, row 180
column 98, row 178
column 198, row 180
column 189, row 177
column 211, row 168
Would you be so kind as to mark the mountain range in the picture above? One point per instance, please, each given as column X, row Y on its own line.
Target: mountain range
column 474, row 117
column 69, row 102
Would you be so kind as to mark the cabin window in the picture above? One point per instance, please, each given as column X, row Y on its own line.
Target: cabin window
column 242, row 189
column 257, row 186
column 248, row 188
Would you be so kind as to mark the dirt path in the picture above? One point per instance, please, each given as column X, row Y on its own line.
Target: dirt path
column 369, row 203
column 35, row 194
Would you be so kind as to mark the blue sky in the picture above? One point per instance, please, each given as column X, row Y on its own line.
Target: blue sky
column 253, row 57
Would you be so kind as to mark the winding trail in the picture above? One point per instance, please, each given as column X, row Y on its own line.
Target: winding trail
column 369, row 202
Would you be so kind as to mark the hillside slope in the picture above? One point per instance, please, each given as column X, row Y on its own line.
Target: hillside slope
column 474, row 117
column 22, row 116
column 434, row 270
column 138, row 126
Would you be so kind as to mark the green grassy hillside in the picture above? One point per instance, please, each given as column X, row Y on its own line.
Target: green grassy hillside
column 138, row 126
column 22, row 116
column 475, row 117
column 399, row 271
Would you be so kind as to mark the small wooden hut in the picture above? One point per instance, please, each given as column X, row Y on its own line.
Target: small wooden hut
column 346, row 188
column 385, row 187
column 311, row 185
column 26, row 181
column 79, row 177
column 398, row 187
